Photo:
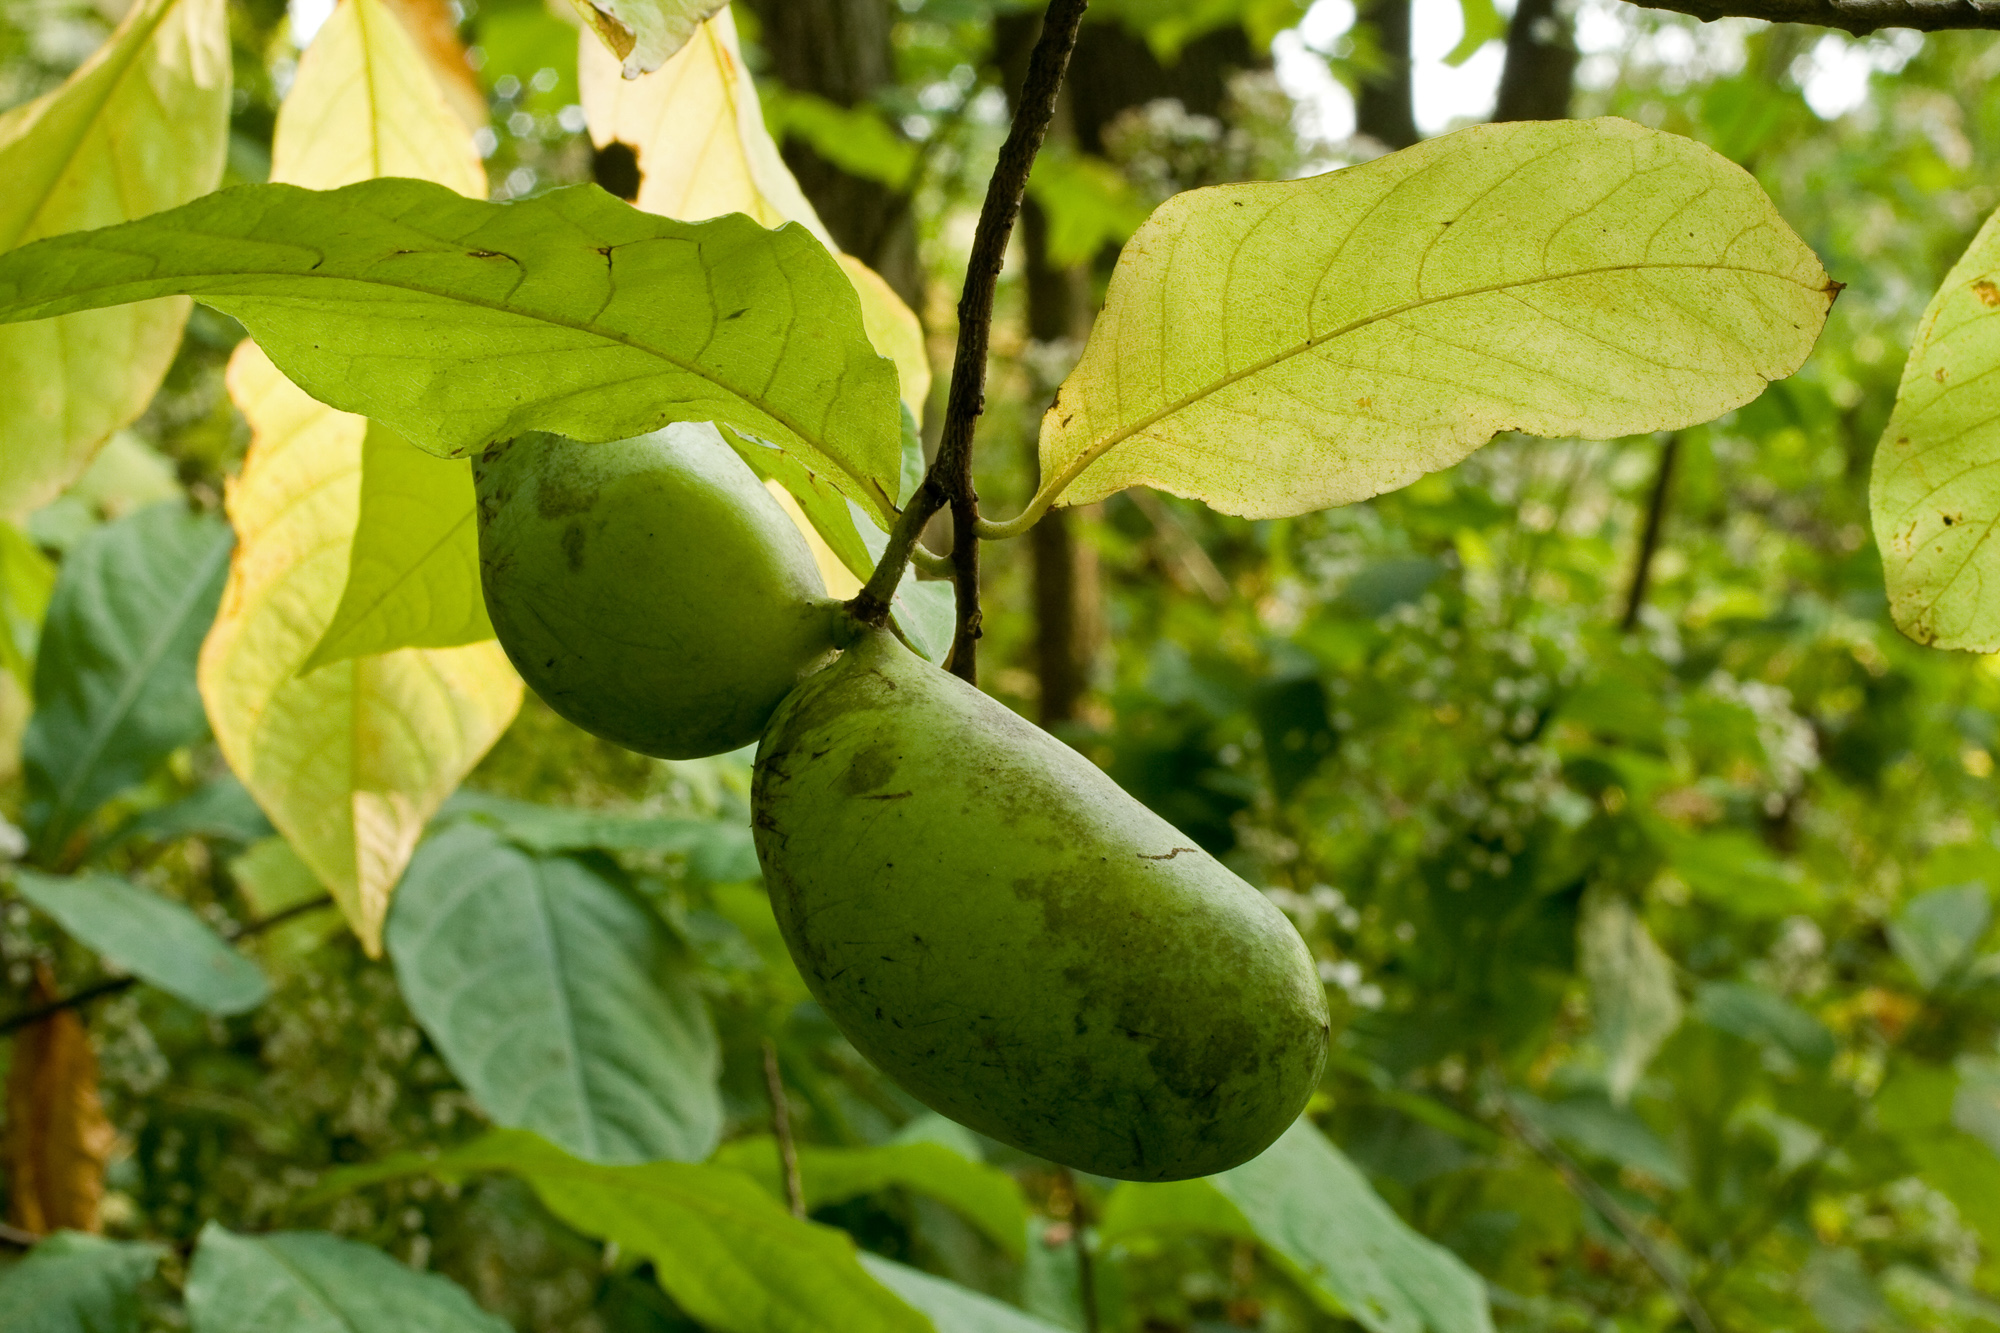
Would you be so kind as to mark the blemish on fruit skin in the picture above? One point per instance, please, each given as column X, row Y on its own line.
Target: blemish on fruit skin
column 572, row 546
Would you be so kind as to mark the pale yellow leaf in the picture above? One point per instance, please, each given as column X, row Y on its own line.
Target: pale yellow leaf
column 364, row 105
column 413, row 570
column 698, row 132
column 140, row 127
column 350, row 760
column 434, row 28
column 841, row 583
column 645, row 34
column 1935, row 490
column 1278, row 347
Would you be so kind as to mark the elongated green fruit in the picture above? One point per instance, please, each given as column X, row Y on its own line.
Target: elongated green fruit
column 650, row 590
column 1021, row 945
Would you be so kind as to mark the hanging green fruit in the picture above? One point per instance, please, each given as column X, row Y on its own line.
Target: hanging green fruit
column 650, row 590
column 1016, row 941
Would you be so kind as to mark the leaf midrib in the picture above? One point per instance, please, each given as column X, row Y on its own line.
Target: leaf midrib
column 1096, row 451
column 611, row 335
column 135, row 682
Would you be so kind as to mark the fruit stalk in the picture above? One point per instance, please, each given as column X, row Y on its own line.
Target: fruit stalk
column 949, row 480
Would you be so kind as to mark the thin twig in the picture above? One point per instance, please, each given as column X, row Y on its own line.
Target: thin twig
column 1649, row 539
column 114, row 985
column 781, row 1126
column 949, row 480
column 1067, row 1204
column 1859, row 17
column 1608, row 1208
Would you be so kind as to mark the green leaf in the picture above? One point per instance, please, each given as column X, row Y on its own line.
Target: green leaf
column 1272, row 348
column 458, row 323
column 1089, row 204
column 645, row 33
column 1595, row 1127
column 731, row 166
column 115, row 675
column 1842, row 1295
column 1937, row 933
column 73, row 1283
column 160, row 941
column 860, row 140
column 223, row 810
column 1920, row 1106
column 716, row 851
column 26, row 580
column 1738, row 873
column 1632, row 993
column 557, row 998
column 989, row 1199
column 141, row 126
column 1975, row 1106
column 1757, row 1015
column 1315, row 1213
column 1482, row 25
column 1933, row 494
column 1183, row 1207
column 309, row 1282
column 413, row 575
column 952, row 1308
column 726, row 1251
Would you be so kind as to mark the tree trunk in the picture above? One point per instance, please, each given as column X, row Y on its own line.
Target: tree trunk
column 1385, row 105
column 1114, row 71
column 840, row 50
column 1540, row 72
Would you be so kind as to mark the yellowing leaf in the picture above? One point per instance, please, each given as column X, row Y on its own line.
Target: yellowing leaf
column 365, row 105
column 140, row 127
column 698, row 132
column 644, row 34
column 57, row 1137
column 350, row 760
column 1935, row 492
column 1280, row 347
column 434, row 28
column 894, row 330
column 413, row 576
column 841, row 582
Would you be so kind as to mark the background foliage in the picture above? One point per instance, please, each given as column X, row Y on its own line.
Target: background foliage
column 1658, row 927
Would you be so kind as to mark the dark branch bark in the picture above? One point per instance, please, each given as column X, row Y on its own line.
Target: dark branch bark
column 115, row 985
column 1859, row 17
column 1385, row 104
column 1649, row 538
column 1536, row 81
column 949, row 481
column 781, row 1129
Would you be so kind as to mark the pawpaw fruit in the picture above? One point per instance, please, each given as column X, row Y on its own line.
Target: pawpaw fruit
column 1025, row 948
column 649, row 590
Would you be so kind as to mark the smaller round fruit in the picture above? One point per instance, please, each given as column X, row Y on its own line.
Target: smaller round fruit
column 649, row 590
